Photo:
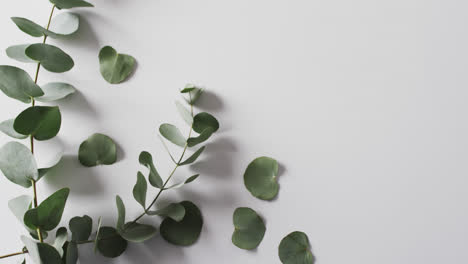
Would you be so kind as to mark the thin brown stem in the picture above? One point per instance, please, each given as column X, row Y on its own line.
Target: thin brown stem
column 13, row 254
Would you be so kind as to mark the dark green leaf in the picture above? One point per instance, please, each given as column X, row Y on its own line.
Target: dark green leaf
column 249, row 228
column 96, row 150
column 180, row 184
column 7, row 128
column 18, row 52
column 115, row 67
column 194, row 157
column 51, row 58
column 28, row 27
column 203, row 121
column 72, row 253
column 186, row 115
column 205, row 135
column 61, row 238
column 295, row 249
column 147, row 160
column 120, row 212
column 67, row 4
column 81, row 228
column 174, row 210
column 185, row 232
column 49, row 213
column 140, row 189
column 55, row 91
column 41, row 122
column 62, row 25
column 109, row 243
column 137, row 233
column 41, row 253
column 172, row 133
column 18, row 164
column 260, row 178
column 17, row 84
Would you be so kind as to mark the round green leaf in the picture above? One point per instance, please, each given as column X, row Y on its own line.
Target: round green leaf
column 41, row 122
column 174, row 210
column 109, row 243
column 51, row 58
column 17, row 84
column 260, row 178
column 49, row 213
column 185, row 232
column 64, row 24
column 115, row 67
column 137, row 233
column 295, row 249
column 18, row 164
column 18, row 52
column 7, row 128
column 55, row 91
column 96, row 150
column 41, row 253
column 140, row 189
column 249, row 228
column 67, row 4
column 203, row 121
column 81, row 228
column 172, row 133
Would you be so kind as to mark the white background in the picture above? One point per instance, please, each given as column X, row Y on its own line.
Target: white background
column 362, row 102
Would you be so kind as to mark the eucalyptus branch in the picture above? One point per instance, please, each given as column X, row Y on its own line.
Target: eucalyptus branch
column 14, row 254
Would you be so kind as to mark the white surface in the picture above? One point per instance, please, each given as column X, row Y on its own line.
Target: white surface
column 363, row 102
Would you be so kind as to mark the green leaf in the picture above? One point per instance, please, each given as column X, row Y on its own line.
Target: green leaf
column 72, row 253
column 180, row 184
column 249, row 228
column 137, row 233
column 18, row 164
column 96, row 150
column 62, row 25
column 260, row 178
column 7, row 128
column 203, row 121
column 18, row 52
column 204, row 136
column 194, row 157
column 109, row 243
column 49, row 213
column 120, row 213
column 167, row 149
column 67, row 4
column 147, row 160
column 52, row 163
column 19, row 206
column 174, row 210
column 193, row 92
column 55, row 91
column 41, row 253
column 61, row 238
column 28, row 27
column 115, row 67
column 140, row 189
column 295, row 249
column 81, row 228
column 41, row 122
column 184, row 113
column 17, row 84
column 185, row 232
column 50, row 57
column 172, row 133
column 97, row 233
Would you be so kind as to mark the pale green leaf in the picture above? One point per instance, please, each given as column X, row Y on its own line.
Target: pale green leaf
column 18, row 164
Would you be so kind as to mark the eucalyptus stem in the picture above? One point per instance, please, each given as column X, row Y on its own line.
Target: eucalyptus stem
column 13, row 254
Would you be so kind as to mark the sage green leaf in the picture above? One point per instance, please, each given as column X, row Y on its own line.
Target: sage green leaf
column 61, row 238
column 18, row 164
column 260, row 178
column 203, row 121
column 67, row 4
column 115, row 67
column 19, row 206
column 17, row 84
column 120, row 213
column 146, row 160
column 184, row 113
column 167, row 149
column 51, row 58
column 109, row 243
column 194, row 157
column 185, row 232
column 28, row 27
column 180, row 184
column 64, row 24
column 174, row 210
column 55, row 91
column 81, row 228
column 18, row 52
column 41, row 122
column 52, row 163
column 295, row 249
column 172, row 133
column 193, row 93
column 137, row 233
column 140, row 189
column 49, row 213
column 41, row 253
column 249, row 228
column 72, row 253
column 204, row 136
column 7, row 128
column 96, row 150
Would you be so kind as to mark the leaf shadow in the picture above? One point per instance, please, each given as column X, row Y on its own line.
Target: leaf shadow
column 210, row 101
